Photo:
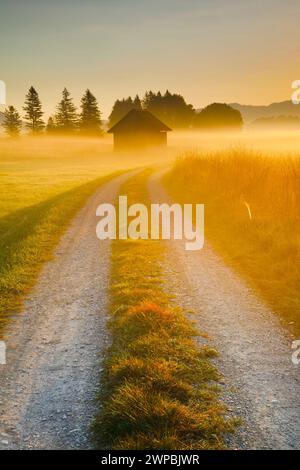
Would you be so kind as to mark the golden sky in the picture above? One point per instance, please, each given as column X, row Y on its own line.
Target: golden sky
column 243, row 51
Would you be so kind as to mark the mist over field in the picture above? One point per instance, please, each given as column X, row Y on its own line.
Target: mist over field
column 149, row 231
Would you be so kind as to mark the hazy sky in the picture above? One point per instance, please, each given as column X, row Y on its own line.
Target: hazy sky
column 208, row 50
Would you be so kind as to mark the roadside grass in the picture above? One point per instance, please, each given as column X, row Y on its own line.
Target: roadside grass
column 43, row 182
column 158, row 387
column 252, row 218
column 27, row 239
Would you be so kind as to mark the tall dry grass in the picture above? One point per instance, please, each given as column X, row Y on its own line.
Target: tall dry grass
column 252, row 217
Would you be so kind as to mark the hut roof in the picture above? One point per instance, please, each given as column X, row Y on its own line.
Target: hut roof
column 137, row 120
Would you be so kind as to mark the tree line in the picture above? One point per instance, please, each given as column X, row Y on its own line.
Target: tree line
column 66, row 119
column 171, row 108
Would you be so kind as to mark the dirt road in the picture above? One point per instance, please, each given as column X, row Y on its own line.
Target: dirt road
column 50, row 381
column 49, row 384
column 261, row 385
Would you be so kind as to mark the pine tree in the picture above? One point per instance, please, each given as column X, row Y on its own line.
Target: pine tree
column 12, row 122
column 137, row 104
column 90, row 117
column 148, row 99
column 120, row 109
column 33, row 111
column 51, row 127
column 171, row 108
column 66, row 117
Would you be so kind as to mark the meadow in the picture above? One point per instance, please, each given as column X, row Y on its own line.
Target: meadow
column 252, row 217
column 159, row 386
column 43, row 182
column 271, row 143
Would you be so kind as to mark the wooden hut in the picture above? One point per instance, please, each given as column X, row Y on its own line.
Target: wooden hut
column 139, row 129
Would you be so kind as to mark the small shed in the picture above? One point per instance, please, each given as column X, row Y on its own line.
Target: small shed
column 139, row 129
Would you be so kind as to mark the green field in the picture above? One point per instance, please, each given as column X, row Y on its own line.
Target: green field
column 43, row 182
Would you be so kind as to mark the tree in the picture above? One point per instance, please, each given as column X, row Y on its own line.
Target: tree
column 12, row 122
column 150, row 99
column 219, row 116
column 171, row 108
column 51, row 127
column 120, row 109
column 66, row 116
column 33, row 111
column 90, row 117
column 137, row 104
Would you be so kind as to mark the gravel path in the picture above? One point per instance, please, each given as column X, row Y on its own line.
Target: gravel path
column 51, row 378
column 261, row 384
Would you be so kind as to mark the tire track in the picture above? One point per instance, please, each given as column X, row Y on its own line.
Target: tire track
column 261, row 385
column 51, row 378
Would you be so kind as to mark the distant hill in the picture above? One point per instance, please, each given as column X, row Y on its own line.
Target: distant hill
column 252, row 113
